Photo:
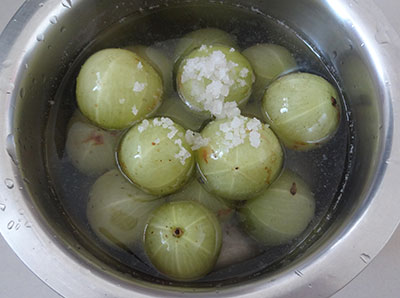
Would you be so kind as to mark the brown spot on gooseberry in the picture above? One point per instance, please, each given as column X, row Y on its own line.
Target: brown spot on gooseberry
column 97, row 139
column 333, row 100
column 293, row 188
column 178, row 232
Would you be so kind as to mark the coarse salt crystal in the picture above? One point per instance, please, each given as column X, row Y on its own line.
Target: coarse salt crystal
column 244, row 72
column 143, row 126
column 183, row 154
column 253, row 124
column 122, row 100
column 134, row 110
column 139, row 87
column 231, row 50
column 234, row 132
column 168, row 124
column 157, row 141
column 140, row 65
column 195, row 140
column 172, row 133
column 241, row 82
column 220, row 71
column 203, row 48
column 254, row 138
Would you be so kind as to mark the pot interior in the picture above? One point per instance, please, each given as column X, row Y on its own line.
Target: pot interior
column 324, row 43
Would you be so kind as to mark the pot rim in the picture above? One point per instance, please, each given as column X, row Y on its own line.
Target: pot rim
column 324, row 272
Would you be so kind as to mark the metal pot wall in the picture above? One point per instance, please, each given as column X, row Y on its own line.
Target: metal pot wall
column 45, row 37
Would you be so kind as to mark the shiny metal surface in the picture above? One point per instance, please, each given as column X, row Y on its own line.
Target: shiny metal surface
column 360, row 45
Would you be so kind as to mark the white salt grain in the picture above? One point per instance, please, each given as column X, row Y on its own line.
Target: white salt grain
column 254, row 138
column 235, row 133
column 140, row 65
column 203, row 48
column 183, row 154
column 143, row 126
column 244, row 72
column 215, row 68
column 139, row 87
column 134, row 110
column 122, row 100
column 168, row 124
column 195, row 140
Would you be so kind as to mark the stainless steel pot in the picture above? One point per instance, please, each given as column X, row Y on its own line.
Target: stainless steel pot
column 36, row 50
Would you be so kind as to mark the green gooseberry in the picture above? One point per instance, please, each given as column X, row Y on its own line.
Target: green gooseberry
column 183, row 240
column 90, row 149
column 280, row 213
column 268, row 62
column 242, row 157
column 303, row 110
column 212, row 76
column 155, row 156
column 117, row 211
column 116, row 88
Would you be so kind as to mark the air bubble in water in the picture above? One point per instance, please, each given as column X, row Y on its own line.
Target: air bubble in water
column 53, row 20
column 3, row 207
column 40, row 37
column 10, row 225
column 365, row 258
column 66, row 3
column 10, row 147
column 9, row 183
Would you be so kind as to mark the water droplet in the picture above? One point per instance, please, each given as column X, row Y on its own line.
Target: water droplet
column 63, row 29
column 10, row 225
column 299, row 273
column 365, row 258
column 362, row 44
column 51, row 102
column 3, row 207
column 53, row 20
column 41, row 4
column 28, row 224
column 26, row 66
column 21, row 211
column 9, row 183
column 10, row 147
column 21, row 92
column 40, row 37
column 18, row 225
column 66, row 3
column 49, row 47
column 334, row 54
column 310, row 286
